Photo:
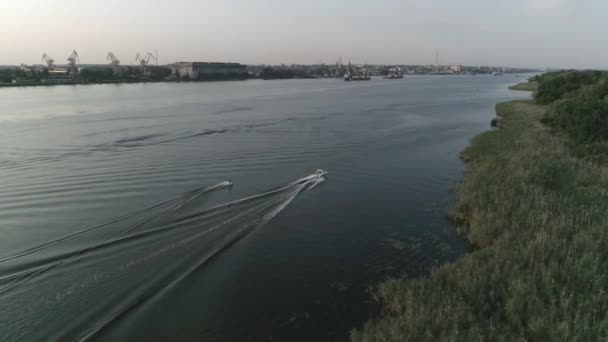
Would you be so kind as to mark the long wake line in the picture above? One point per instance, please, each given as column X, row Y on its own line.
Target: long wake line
column 181, row 198
column 53, row 290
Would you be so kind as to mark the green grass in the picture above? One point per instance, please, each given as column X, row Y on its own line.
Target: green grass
column 535, row 206
column 525, row 86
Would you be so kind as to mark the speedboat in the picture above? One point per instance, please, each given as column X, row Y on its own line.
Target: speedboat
column 320, row 173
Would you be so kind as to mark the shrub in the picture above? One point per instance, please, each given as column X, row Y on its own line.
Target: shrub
column 584, row 117
column 559, row 85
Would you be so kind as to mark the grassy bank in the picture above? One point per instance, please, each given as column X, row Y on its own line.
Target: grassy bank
column 525, row 86
column 534, row 203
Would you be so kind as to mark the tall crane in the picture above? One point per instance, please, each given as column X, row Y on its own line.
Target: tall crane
column 73, row 59
column 339, row 68
column 113, row 60
column 50, row 63
column 144, row 60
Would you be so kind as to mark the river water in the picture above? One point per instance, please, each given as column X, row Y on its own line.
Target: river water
column 117, row 220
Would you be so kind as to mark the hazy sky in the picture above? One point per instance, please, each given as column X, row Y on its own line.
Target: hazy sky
column 536, row 33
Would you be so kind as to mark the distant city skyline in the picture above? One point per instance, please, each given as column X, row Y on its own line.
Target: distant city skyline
column 517, row 33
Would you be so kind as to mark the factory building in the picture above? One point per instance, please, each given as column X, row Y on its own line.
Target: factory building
column 210, row 71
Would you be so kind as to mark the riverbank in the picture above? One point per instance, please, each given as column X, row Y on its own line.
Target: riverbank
column 525, row 86
column 533, row 205
column 45, row 84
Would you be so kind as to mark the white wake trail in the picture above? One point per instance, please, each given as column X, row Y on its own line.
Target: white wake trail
column 80, row 292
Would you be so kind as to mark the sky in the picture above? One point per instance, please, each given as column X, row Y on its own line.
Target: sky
column 519, row 33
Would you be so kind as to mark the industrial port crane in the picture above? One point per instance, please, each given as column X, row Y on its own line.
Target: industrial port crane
column 113, row 60
column 50, row 63
column 339, row 68
column 144, row 60
column 73, row 59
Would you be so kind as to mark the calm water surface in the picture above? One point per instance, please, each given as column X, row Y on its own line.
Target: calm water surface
column 116, row 220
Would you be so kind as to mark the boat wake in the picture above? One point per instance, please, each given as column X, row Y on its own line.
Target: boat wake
column 76, row 286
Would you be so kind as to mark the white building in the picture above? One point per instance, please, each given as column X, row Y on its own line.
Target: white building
column 457, row 69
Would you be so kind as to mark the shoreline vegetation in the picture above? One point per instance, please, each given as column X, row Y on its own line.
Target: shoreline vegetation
column 525, row 86
column 534, row 207
column 52, row 75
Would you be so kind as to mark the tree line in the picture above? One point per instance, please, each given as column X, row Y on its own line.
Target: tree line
column 578, row 103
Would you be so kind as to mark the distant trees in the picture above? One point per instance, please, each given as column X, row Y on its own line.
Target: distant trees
column 132, row 73
column 158, row 73
column 270, row 73
column 7, row 75
column 97, row 75
column 20, row 73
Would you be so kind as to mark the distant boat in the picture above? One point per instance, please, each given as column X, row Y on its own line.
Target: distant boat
column 498, row 73
column 394, row 73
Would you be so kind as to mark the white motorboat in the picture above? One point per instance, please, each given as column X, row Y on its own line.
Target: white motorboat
column 320, row 173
